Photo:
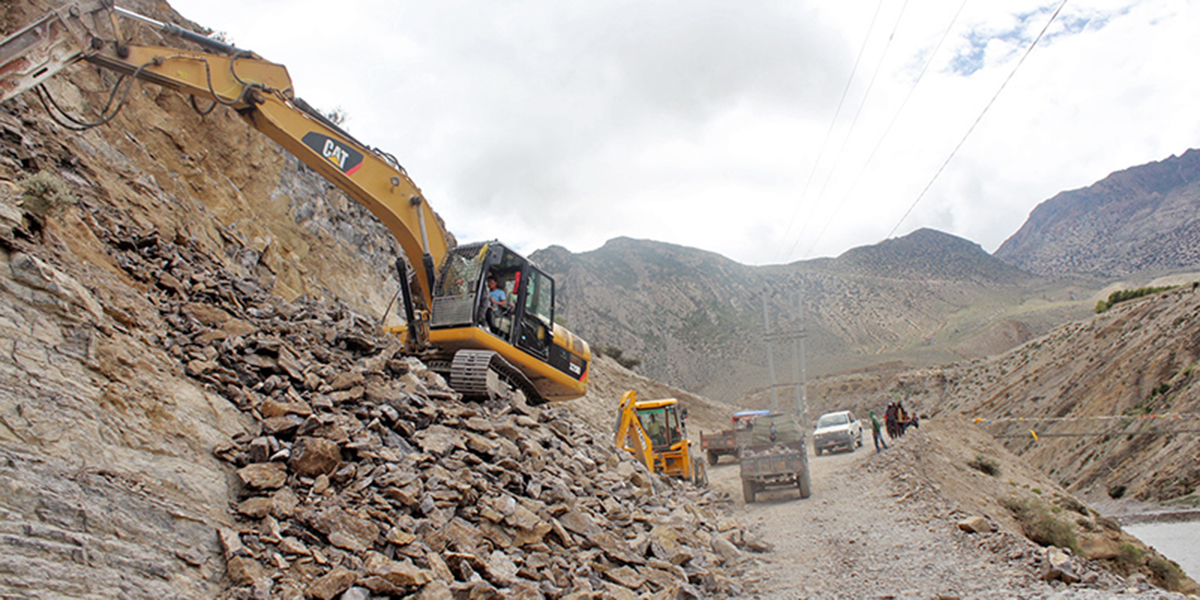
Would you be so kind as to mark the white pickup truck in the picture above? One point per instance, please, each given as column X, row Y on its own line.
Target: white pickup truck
column 837, row 430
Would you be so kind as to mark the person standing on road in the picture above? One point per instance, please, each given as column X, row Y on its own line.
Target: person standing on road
column 875, row 427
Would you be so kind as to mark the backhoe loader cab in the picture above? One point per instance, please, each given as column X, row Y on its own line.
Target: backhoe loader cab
column 653, row 431
column 662, row 421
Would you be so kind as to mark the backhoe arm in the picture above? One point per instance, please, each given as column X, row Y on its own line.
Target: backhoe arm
column 258, row 90
column 630, row 435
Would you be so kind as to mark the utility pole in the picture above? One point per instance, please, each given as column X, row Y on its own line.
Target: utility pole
column 798, row 356
column 795, row 333
column 767, row 338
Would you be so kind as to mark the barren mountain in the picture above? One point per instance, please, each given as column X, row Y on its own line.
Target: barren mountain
column 1145, row 218
column 696, row 319
column 1113, row 400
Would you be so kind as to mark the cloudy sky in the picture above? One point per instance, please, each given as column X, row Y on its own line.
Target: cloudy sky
column 766, row 131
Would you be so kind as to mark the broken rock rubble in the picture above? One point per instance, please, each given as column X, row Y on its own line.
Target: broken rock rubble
column 365, row 475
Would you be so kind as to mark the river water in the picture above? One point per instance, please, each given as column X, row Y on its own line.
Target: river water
column 1177, row 541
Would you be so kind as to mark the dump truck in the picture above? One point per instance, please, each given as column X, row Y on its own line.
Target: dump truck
column 775, row 457
column 729, row 441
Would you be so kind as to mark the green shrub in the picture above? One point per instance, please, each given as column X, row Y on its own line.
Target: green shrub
column 984, row 465
column 1049, row 531
column 1039, row 525
column 1166, row 574
column 1072, row 504
column 44, row 194
column 1123, row 295
column 1129, row 558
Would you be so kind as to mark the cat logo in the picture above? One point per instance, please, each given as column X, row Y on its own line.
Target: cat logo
column 345, row 158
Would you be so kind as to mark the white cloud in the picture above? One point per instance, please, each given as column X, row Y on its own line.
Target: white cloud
column 698, row 123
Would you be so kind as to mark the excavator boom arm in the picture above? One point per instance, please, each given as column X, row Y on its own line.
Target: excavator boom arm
column 259, row 90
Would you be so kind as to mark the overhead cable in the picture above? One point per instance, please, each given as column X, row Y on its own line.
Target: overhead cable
column 886, row 131
column 977, row 119
column 832, row 122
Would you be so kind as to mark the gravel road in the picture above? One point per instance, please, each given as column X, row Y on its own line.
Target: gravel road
column 873, row 530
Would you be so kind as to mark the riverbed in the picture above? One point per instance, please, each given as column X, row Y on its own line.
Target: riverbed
column 1175, row 540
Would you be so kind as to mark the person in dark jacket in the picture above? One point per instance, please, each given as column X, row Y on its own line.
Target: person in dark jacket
column 890, row 419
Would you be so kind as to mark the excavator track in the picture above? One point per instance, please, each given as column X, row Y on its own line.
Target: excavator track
column 469, row 375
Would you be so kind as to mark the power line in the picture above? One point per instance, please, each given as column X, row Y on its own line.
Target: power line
column 1099, row 433
column 978, row 119
column 886, row 131
column 1140, row 417
column 854, row 122
column 849, row 81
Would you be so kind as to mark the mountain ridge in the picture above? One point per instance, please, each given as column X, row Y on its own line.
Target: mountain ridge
column 1143, row 218
column 694, row 314
column 919, row 299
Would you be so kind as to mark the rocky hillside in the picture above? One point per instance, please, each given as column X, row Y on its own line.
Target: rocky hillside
column 1113, row 400
column 696, row 318
column 210, row 180
column 1145, row 218
column 196, row 399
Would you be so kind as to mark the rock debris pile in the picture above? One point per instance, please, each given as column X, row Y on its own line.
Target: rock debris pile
column 365, row 475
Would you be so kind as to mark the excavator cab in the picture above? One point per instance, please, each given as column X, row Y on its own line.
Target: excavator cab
column 462, row 297
column 517, row 338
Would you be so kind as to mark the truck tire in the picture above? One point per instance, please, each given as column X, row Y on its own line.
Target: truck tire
column 699, row 474
column 805, row 484
column 713, row 457
column 748, row 491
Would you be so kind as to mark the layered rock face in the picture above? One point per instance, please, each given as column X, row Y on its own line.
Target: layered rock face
column 355, row 467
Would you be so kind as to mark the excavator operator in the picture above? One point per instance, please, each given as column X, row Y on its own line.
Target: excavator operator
column 498, row 307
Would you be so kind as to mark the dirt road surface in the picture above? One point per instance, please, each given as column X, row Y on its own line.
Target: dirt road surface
column 867, row 534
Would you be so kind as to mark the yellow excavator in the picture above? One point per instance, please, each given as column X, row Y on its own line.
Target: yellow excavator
column 451, row 320
column 653, row 431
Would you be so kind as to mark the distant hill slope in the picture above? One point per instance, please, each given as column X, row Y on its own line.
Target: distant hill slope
column 1145, row 218
column 696, row 319
column 1114, row 399
column 929, row 255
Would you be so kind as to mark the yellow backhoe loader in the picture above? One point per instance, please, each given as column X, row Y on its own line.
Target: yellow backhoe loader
column 653, row 431
column 451, row 322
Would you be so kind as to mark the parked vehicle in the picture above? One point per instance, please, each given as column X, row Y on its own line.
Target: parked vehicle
column 837, row 430
column 729, row 441
column 775, row 456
